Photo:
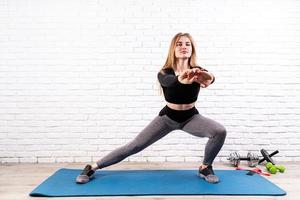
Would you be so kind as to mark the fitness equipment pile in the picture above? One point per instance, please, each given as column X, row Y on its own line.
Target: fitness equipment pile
column 252, row 159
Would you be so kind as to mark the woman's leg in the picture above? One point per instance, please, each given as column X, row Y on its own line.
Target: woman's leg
column 201, row 126
column 157, row 129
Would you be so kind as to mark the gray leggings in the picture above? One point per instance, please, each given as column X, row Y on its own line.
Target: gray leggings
column 197, row 125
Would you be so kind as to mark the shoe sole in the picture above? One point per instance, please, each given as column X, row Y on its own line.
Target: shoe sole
column 205, row 178
column 84, row 181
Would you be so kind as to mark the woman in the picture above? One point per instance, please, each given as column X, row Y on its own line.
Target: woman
column 180, row 79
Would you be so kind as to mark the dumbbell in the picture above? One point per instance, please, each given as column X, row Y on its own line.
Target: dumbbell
column 274, row 168
column 235, row 159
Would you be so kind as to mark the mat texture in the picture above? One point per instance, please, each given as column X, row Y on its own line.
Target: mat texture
column 155, row 182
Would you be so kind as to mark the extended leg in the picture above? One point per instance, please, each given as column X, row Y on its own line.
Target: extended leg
column 157, row 129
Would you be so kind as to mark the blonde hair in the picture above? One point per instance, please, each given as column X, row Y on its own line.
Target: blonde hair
column 171, row 59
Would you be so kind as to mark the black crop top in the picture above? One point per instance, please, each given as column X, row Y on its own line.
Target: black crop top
column 176, row 92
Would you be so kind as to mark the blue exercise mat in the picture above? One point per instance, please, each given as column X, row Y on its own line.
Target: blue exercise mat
column 155, row 182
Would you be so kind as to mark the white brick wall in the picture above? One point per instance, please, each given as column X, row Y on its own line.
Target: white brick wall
column 78, row 77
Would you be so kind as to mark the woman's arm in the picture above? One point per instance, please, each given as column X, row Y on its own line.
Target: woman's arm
column 167, row 79
column 204, row 78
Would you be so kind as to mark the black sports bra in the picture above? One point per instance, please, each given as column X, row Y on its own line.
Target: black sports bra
column 176, row 92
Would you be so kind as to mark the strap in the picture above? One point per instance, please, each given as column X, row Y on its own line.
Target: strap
column 255, row 170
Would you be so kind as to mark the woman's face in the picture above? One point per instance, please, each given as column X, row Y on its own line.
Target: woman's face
column 183, row 48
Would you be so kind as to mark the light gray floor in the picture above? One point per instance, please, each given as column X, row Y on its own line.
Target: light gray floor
column 18, row 180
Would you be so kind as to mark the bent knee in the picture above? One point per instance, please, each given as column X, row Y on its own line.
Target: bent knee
column 221, row 132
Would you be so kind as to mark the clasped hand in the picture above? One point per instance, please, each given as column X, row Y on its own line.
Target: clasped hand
column 195, row 75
